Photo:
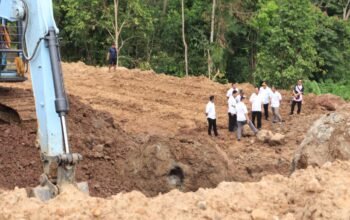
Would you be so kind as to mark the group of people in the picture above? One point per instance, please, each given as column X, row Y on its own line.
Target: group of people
column 260, row 100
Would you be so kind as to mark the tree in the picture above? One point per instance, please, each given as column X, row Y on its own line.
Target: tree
column 212, row 27
column 287, row 47
column 184, row 36
column 346, row 11
column 333, row 47
column 339, row 8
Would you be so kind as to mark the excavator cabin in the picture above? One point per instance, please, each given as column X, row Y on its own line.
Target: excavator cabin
column 11, row 51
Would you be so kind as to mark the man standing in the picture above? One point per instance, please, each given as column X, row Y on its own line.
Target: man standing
column 112, row 55
column 211, row 116
column 275, row 104
column 232, row 117
column 242, row 119
column 233, row 88
column 298, row 93
column 265, row 93
column 256, row 101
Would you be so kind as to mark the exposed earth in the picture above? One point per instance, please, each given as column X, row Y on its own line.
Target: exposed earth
column 138, row 130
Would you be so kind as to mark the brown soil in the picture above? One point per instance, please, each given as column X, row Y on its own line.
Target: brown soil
column 138, row 130
column 308, row 194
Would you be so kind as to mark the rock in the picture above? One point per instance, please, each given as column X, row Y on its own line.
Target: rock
column 327, row 140
column 259, row 214
column 202, row 205
column 272, row 139
column 313, row 186
column 248, row 209
column 289, row 216
column 98, row 148
column 264, row 135
column 96, row 212
column 97, row 155
column 277, row 139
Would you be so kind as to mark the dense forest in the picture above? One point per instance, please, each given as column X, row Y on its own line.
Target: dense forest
column 225, row 40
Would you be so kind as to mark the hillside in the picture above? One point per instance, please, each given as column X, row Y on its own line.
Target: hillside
column 137, row 129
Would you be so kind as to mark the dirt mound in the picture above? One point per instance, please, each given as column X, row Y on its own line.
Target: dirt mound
column 186, row 163
column 119, row 120
column 20, row 159
column 327, row 140
column 116, row 161
column 329, row 102
column 307, row 194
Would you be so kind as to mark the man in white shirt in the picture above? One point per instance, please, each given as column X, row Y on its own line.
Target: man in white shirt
column 265, row 93
column 256, row 101
column 242, row 118
column 233, row 88
column 211, row 116
column 232, row 117
column 275, row 105
column 298, row 93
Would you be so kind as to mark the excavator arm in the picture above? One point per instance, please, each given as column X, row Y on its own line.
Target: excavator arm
column 42, row 51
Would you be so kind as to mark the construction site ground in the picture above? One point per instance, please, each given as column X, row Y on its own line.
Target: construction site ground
column 137, row 130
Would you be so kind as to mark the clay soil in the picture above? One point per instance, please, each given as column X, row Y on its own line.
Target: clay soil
column 307, row 194
column 138, row 130
column 143, row 134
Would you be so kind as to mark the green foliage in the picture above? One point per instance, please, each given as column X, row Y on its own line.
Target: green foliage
column 275, row 40
column 333, row 48
column 312, row 87
column 340, row 89
column 286, row 41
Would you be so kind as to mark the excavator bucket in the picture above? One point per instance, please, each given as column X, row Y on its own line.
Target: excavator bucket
column 45, row 193
column 59, row 171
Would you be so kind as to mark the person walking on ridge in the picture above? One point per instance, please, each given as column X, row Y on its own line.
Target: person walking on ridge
column 112, row 57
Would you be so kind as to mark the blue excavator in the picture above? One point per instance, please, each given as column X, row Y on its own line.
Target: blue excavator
column 29, row 34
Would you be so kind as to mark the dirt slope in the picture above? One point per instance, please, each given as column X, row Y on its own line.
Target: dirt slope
column 308, row 194
column 136, row 127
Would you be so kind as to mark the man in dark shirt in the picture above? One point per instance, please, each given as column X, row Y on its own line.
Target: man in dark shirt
column 112, row 54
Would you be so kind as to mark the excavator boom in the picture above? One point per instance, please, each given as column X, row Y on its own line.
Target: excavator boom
column 51, row 103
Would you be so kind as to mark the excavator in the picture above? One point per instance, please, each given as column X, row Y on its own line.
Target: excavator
column 28, row 33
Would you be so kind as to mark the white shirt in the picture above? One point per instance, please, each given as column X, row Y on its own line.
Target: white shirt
column 298, row 89
column 256, row 101
column 210, row 110
column 229, row 92
column 232, row 105
column 265, row 94
column 275, row 99
column 241, row 111
column 238, row 98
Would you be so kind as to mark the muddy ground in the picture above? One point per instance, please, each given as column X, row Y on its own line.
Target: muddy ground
column 138, row 130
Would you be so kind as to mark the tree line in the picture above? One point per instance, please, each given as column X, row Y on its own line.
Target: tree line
column 225, row 40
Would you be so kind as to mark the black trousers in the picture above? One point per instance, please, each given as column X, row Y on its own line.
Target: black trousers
column 266, row 111
column 293, row 106
column 232, row 122
column 257, row 116
column 212, row 125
